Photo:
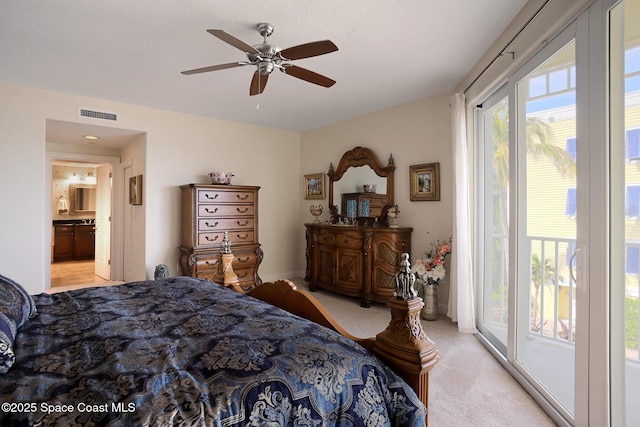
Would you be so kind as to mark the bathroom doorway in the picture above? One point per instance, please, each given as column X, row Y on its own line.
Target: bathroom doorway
column 81, row 193
column 100, row 147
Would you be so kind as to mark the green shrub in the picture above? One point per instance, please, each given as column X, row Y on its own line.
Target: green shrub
column 631, row 323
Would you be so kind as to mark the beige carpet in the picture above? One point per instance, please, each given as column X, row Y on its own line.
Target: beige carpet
column 468, row 387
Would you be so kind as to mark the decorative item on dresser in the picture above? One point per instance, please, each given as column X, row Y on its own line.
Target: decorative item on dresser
column 316, row 211
column 360, row 259
column 365, row 204
column 207, row 212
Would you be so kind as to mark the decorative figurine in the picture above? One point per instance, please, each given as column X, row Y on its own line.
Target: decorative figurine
column 316, row 211
column 404, row 280
column 225, row 246
column 161, row 272
column 225, row 273
column 393, row 214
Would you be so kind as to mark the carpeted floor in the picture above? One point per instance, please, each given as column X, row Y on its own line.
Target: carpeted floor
column 468, row 387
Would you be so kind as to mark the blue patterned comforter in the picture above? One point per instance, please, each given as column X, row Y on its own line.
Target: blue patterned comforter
column 182, row 351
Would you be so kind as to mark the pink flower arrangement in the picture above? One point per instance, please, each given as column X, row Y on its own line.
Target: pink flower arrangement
column 431, row 268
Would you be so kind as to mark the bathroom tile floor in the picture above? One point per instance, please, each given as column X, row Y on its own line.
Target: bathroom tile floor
column 75, row 274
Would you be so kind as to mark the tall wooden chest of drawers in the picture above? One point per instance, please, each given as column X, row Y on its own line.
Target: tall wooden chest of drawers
column 207, row 212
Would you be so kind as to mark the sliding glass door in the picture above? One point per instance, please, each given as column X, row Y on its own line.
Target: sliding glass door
column 527, row 153
column 493, row 132
column 570, row 272
column 624, row 117
column 545, row 219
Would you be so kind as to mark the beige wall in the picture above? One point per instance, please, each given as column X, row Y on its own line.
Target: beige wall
column 180, row 149
column 177, row 149
column 414, row 133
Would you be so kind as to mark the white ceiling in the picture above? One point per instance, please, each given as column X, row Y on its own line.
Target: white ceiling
column 390, row 52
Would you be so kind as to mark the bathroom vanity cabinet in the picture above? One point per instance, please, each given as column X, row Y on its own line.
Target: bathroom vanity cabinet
column 73, row 241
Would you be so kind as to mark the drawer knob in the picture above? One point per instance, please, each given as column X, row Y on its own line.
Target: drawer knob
column 215, row 196
column 215, row 224
column 245, row 197
column 242, row 224
column 245, row 210
column 245, row 237
column 243, row 259
column 211, row 211
column 210, row 239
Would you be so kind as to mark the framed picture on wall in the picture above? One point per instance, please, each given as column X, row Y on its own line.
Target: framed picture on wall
column 135, row 190
column 314, row 186
column 424, row 182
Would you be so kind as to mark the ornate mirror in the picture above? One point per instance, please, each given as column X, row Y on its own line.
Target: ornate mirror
column 348, row 197
column 82, row 198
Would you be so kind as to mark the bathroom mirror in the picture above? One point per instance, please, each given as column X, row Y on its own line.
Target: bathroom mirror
column 82, row 198
column 358, row 167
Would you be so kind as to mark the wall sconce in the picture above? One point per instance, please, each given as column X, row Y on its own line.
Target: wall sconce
column 89, row 178
column 63, row 205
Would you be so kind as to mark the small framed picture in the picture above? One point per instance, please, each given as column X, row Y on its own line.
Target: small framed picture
column 135, row 190
column 314, row 186
column 424, row 182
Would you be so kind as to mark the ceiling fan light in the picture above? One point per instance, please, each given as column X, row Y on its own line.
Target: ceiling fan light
column 265, row 67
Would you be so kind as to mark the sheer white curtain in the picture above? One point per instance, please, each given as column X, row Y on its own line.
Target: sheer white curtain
column 461, row 300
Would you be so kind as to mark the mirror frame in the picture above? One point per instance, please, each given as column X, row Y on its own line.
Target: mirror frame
column 72, row 199
column 362, row 156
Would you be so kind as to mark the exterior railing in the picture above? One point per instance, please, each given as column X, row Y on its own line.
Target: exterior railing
column 553, row 289
column 553, row 302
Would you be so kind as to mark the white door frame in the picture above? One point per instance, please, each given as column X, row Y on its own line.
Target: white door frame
column 124, row 233
column 116, row 207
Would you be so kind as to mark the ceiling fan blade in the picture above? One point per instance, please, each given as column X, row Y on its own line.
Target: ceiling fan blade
column 214, row 68
column 308, row 50
column 309, row 76
column 258, row 83
column 237, row 43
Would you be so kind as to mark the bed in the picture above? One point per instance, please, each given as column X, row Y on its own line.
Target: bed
column 185, row 351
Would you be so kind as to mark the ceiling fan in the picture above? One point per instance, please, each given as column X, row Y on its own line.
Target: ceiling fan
column 268, row 57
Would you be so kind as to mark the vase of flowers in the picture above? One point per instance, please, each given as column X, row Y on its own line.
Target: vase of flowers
column 429, row 272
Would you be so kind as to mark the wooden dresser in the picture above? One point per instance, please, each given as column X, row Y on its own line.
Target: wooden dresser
column 355, row 260
column 207, row 212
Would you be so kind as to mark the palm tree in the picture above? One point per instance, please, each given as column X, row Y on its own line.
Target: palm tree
column 542, row 274
column 538, row 134
column 537, row 147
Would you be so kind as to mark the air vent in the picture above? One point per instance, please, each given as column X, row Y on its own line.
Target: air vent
column 101, row 115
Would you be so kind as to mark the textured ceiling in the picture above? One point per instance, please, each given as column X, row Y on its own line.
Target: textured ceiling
column 390, row 52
